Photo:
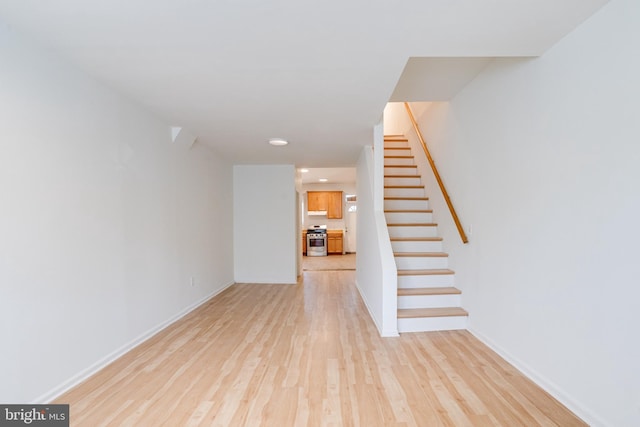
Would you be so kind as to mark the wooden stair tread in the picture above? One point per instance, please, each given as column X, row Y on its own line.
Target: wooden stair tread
column 400, row 166
column 445, row 290
column 429, row 272
column 408, row 210
column 397, row 148
column 422, row 254
column 402, row 176
column 406, row 198
column 431, row 312
column 413, row 224
column 416, row 239
column 404, row 186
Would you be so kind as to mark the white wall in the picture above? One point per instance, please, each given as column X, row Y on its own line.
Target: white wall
column 541, row 158
column 376, row 274
column 264, row 206
column 395, row 120
column 103, row 222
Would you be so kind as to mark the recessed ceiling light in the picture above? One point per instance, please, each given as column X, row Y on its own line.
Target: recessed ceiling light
column 278, row 141
column 323, row 179
column 304, row 170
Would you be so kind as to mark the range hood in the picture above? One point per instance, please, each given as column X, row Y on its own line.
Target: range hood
column 317, row 213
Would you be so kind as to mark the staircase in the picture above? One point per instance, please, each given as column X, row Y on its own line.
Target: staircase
column 427, row 299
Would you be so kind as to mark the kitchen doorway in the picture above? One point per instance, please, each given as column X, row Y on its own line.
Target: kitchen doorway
column 327, row 201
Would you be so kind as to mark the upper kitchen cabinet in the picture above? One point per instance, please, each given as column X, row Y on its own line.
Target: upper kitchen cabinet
column 334, row 210
column 317, row 201
column 329, row 201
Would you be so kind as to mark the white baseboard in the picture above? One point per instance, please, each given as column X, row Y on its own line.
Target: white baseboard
column 387, row 333
column 382, row 332
column 547, row 385
column 111, row 357
column 366, row 304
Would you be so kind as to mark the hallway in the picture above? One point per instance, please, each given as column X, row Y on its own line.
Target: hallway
column 307, row 355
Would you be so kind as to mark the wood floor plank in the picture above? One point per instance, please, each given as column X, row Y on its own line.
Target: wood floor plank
column 307, row 355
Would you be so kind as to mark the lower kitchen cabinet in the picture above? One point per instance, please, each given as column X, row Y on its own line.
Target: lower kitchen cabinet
column 335, row 241
column 304, row 242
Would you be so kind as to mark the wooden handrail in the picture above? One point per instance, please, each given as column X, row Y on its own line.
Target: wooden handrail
column 463, row 236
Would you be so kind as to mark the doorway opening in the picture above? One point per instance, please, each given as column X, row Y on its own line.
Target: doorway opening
column 327, row 206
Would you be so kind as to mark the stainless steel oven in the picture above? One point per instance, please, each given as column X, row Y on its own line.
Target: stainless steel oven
column 316, row 242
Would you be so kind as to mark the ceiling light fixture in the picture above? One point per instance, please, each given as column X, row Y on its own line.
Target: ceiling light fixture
column 278, row 142
column 304, row 170
column 323, row 179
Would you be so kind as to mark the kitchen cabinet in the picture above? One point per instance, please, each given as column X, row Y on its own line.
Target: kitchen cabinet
column 317, row 201
column 329, row 201
column 335, row 242
column 334, row 205
column 304, row 242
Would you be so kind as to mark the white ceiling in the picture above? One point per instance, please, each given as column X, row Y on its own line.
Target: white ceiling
column 238, row 72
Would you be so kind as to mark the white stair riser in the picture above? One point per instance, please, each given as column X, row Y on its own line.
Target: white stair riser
column 397, row 151
column 390, row 170
column 429, row 301
column 407, row 217
column 404, row 192
column 413, row 231
column 421, row 263
column 396, row 144
column 432, row 324
column 406, row 204
column 399, row 161
column 408, row 180
column 431, row 281
column 403, row 246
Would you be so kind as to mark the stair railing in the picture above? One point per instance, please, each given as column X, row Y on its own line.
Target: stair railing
column 456, row 220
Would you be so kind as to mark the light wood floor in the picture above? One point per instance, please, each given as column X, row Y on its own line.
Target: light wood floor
column 307, row 355
column 331, row 262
